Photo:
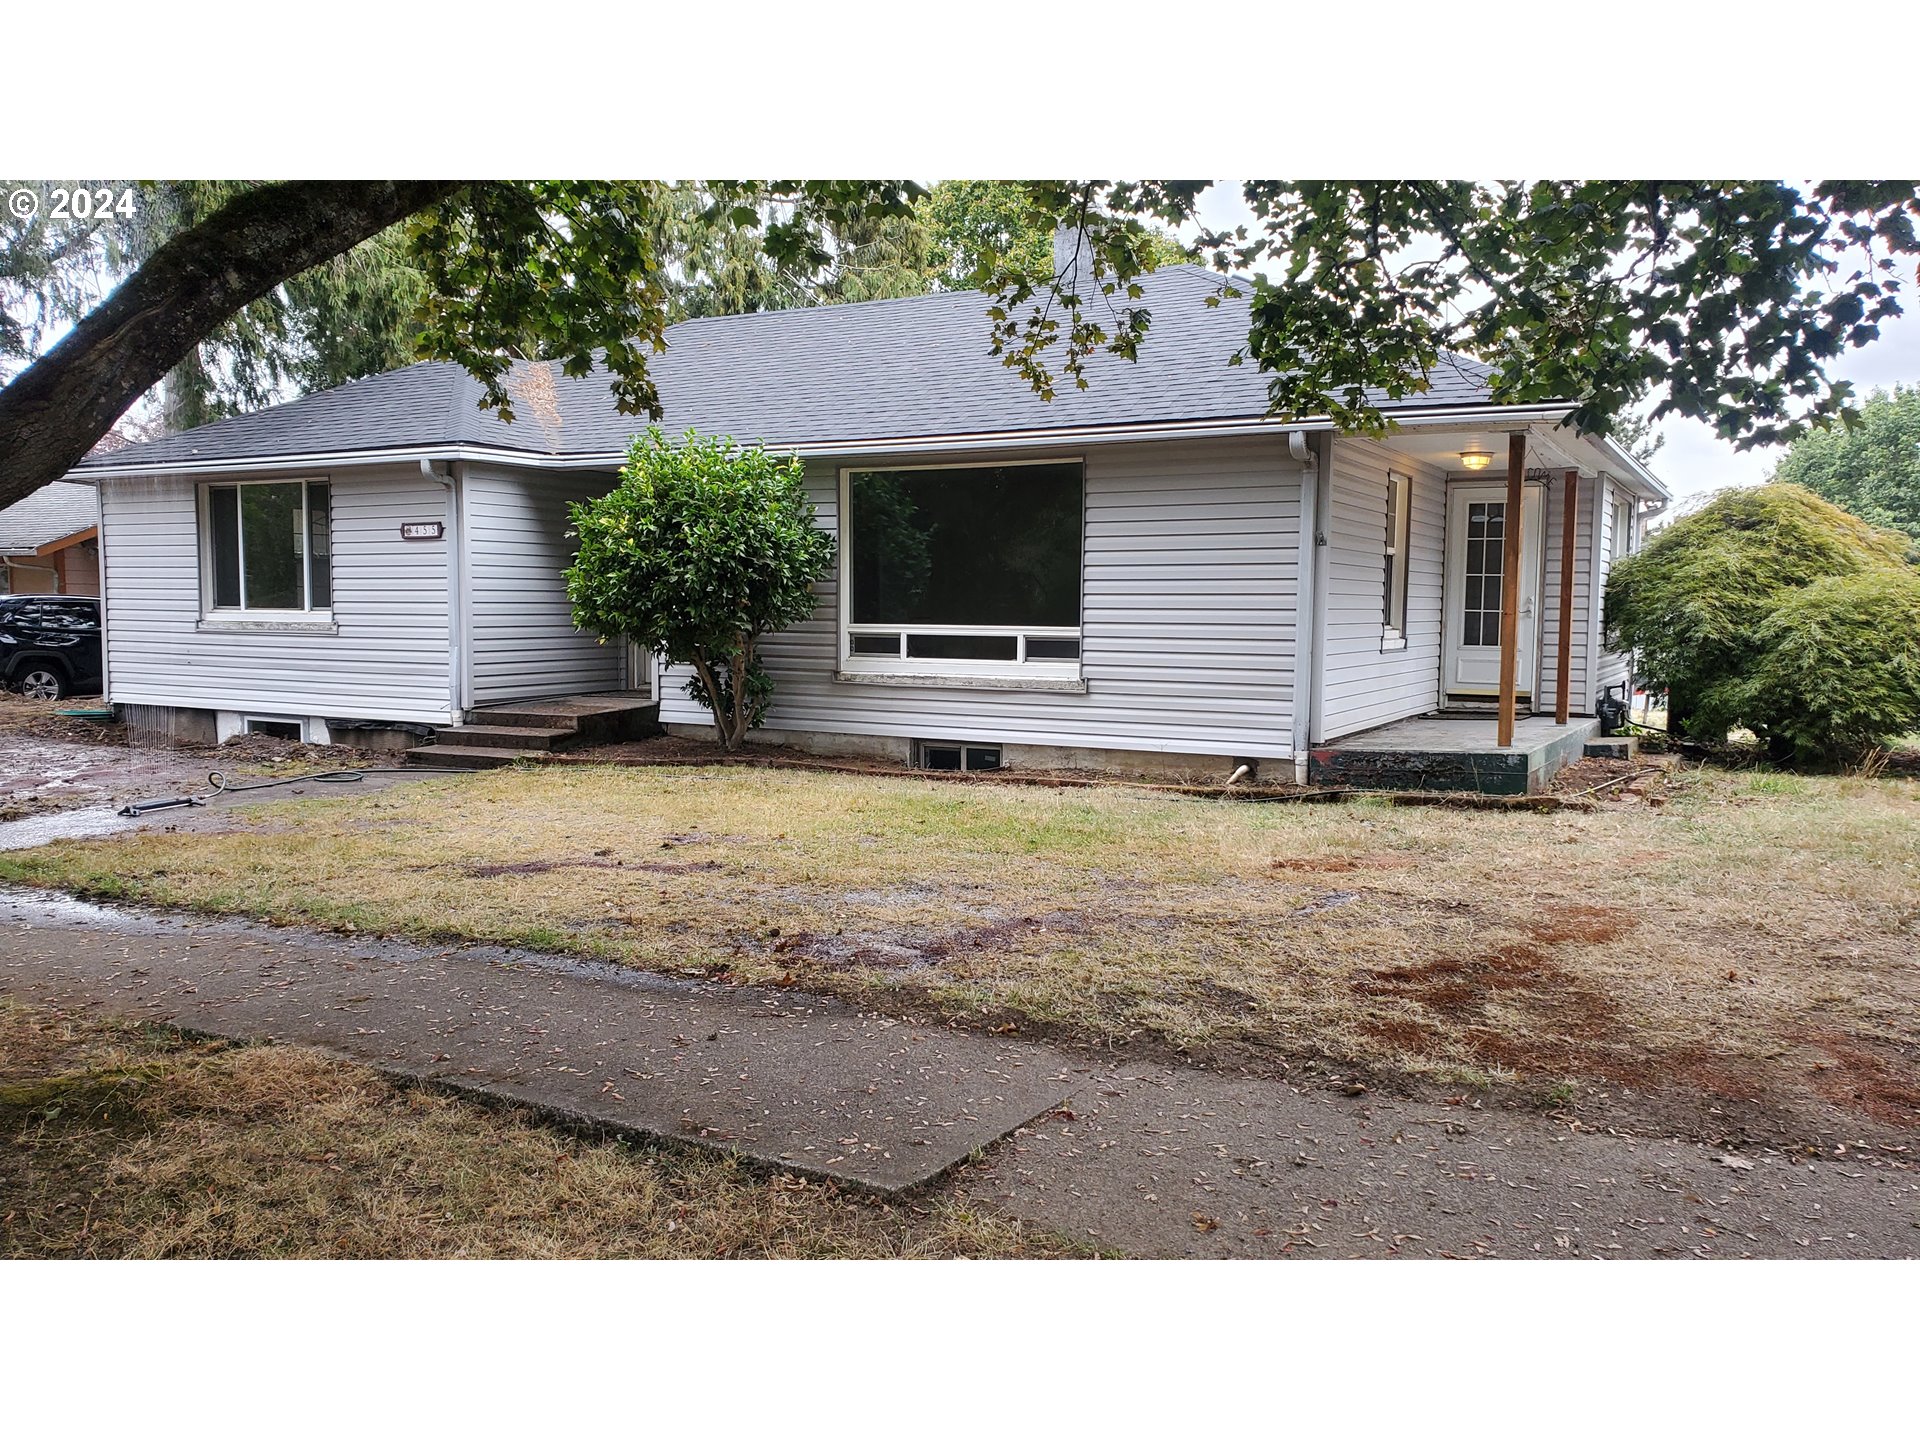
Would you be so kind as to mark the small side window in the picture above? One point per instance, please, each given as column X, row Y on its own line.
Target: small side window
column 1622, row 538
column 1399, row 528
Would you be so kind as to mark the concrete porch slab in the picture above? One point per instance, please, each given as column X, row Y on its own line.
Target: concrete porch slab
column 1451, row 752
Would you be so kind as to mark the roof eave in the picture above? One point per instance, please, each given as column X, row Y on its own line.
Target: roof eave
column 1232, row 427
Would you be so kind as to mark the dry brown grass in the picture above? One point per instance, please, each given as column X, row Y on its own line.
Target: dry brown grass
column 1751, row 939
column 135, row 1142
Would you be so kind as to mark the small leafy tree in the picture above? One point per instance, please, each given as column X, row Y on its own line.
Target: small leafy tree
column 1772, row 610
column 702, row 548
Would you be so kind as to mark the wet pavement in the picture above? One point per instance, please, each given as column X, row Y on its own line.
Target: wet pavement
column 40, row 774
column 1140, row 1158
column 776, row 1075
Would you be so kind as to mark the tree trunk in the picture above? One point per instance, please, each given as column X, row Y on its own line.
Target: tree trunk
column 58, row 408
column 715, row 701
column 741, row 705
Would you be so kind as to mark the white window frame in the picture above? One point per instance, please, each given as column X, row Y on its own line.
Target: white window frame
column 1397, row 544
column 1018, row 668
column 1620, row 542
column 243, row 612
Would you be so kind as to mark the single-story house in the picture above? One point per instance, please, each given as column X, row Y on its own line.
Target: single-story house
column 50, row 542
column 1148, row 573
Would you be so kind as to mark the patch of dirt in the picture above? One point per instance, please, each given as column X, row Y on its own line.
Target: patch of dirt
column 542, row 867
column 1416, row 1037
column 1870, row 1077
column 1646, row 779
column 1569, row 1026
column 1343, row 864
column 910, row 950
column 1564, row 923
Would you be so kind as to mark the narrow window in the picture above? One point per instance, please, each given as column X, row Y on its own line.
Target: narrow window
column 1622, row 537
column 1399, row 510
column 269, row 545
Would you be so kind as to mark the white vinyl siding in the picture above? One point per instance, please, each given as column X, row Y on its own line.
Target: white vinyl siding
column 1588, row 502
column 384, row 656
column 1368, row 679
column 1187, row 623
column 1592, row 552
column 1613, row 667
column 520, row 629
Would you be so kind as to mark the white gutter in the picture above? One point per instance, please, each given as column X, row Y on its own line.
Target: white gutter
column 1075, row 436
column 1642, row 478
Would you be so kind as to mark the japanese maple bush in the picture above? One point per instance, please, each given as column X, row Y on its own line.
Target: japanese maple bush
column 700, row 550
column 1772, row 610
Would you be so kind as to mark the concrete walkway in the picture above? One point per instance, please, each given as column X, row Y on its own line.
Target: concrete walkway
column 1144, row 1158
column 776, row 1075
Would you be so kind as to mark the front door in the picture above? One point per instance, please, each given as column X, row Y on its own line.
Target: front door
column 1476, row 540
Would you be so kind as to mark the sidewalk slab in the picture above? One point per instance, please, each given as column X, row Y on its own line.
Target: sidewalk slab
column 781, row 1077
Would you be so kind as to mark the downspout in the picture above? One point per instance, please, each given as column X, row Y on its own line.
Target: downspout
column 1307, row 585
column 106, row 621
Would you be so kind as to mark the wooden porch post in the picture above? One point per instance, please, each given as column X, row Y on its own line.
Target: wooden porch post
column 1570, row 502
column 1510, row 584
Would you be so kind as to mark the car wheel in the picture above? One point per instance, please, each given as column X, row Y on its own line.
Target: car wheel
column 42, row 682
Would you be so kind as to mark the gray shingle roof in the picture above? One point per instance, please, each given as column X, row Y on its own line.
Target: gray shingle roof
column 50, row 513
column 879, row 370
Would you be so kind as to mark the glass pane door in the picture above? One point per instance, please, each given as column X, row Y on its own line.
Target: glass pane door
column 1485, row 562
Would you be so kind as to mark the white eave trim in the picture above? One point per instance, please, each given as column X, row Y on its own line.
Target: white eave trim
column 998, row 440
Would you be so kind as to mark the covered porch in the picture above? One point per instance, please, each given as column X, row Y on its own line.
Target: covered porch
column 1453, row 752
column 1458, row 575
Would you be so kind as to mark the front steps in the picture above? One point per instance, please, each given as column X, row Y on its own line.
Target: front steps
column 536, row 729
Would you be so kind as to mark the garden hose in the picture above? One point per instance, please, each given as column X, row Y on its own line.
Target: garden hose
column 218, row 785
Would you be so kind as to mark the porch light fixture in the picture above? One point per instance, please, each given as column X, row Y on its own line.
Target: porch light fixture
column 1475, row 459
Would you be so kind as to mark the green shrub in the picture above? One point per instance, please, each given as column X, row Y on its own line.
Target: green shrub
column 1839, row 668
column 701, row 549
column 1771, row 609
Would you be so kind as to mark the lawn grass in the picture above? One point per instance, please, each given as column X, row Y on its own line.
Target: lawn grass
column 129, row 1141
column 1752, row 939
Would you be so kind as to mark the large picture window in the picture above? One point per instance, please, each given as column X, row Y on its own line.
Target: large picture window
column 268, row 546
column 971, row 570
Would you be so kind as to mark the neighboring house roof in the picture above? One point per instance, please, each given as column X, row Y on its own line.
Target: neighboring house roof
column 878, row 370
column 50, row 514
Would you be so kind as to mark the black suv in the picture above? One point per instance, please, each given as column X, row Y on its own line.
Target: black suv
column 50, row 644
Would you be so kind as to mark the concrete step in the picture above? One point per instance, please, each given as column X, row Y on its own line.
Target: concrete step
column 506, row 737
column 593, row 720
column 471, row 757
column 1612, row 747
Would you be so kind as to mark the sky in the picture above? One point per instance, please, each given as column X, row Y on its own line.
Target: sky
column 1695, row 461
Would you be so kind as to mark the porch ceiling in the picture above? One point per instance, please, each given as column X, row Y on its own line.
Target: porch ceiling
column 1546, row 446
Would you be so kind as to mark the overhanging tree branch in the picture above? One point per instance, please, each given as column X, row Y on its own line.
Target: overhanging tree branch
column 58, row 408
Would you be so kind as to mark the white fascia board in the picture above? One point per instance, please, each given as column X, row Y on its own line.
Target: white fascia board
column 999, row 440
column 1637, row 475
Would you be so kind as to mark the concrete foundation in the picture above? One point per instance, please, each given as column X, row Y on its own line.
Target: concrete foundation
column 897, row 749
column 1451, row 753
column 171, row 722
